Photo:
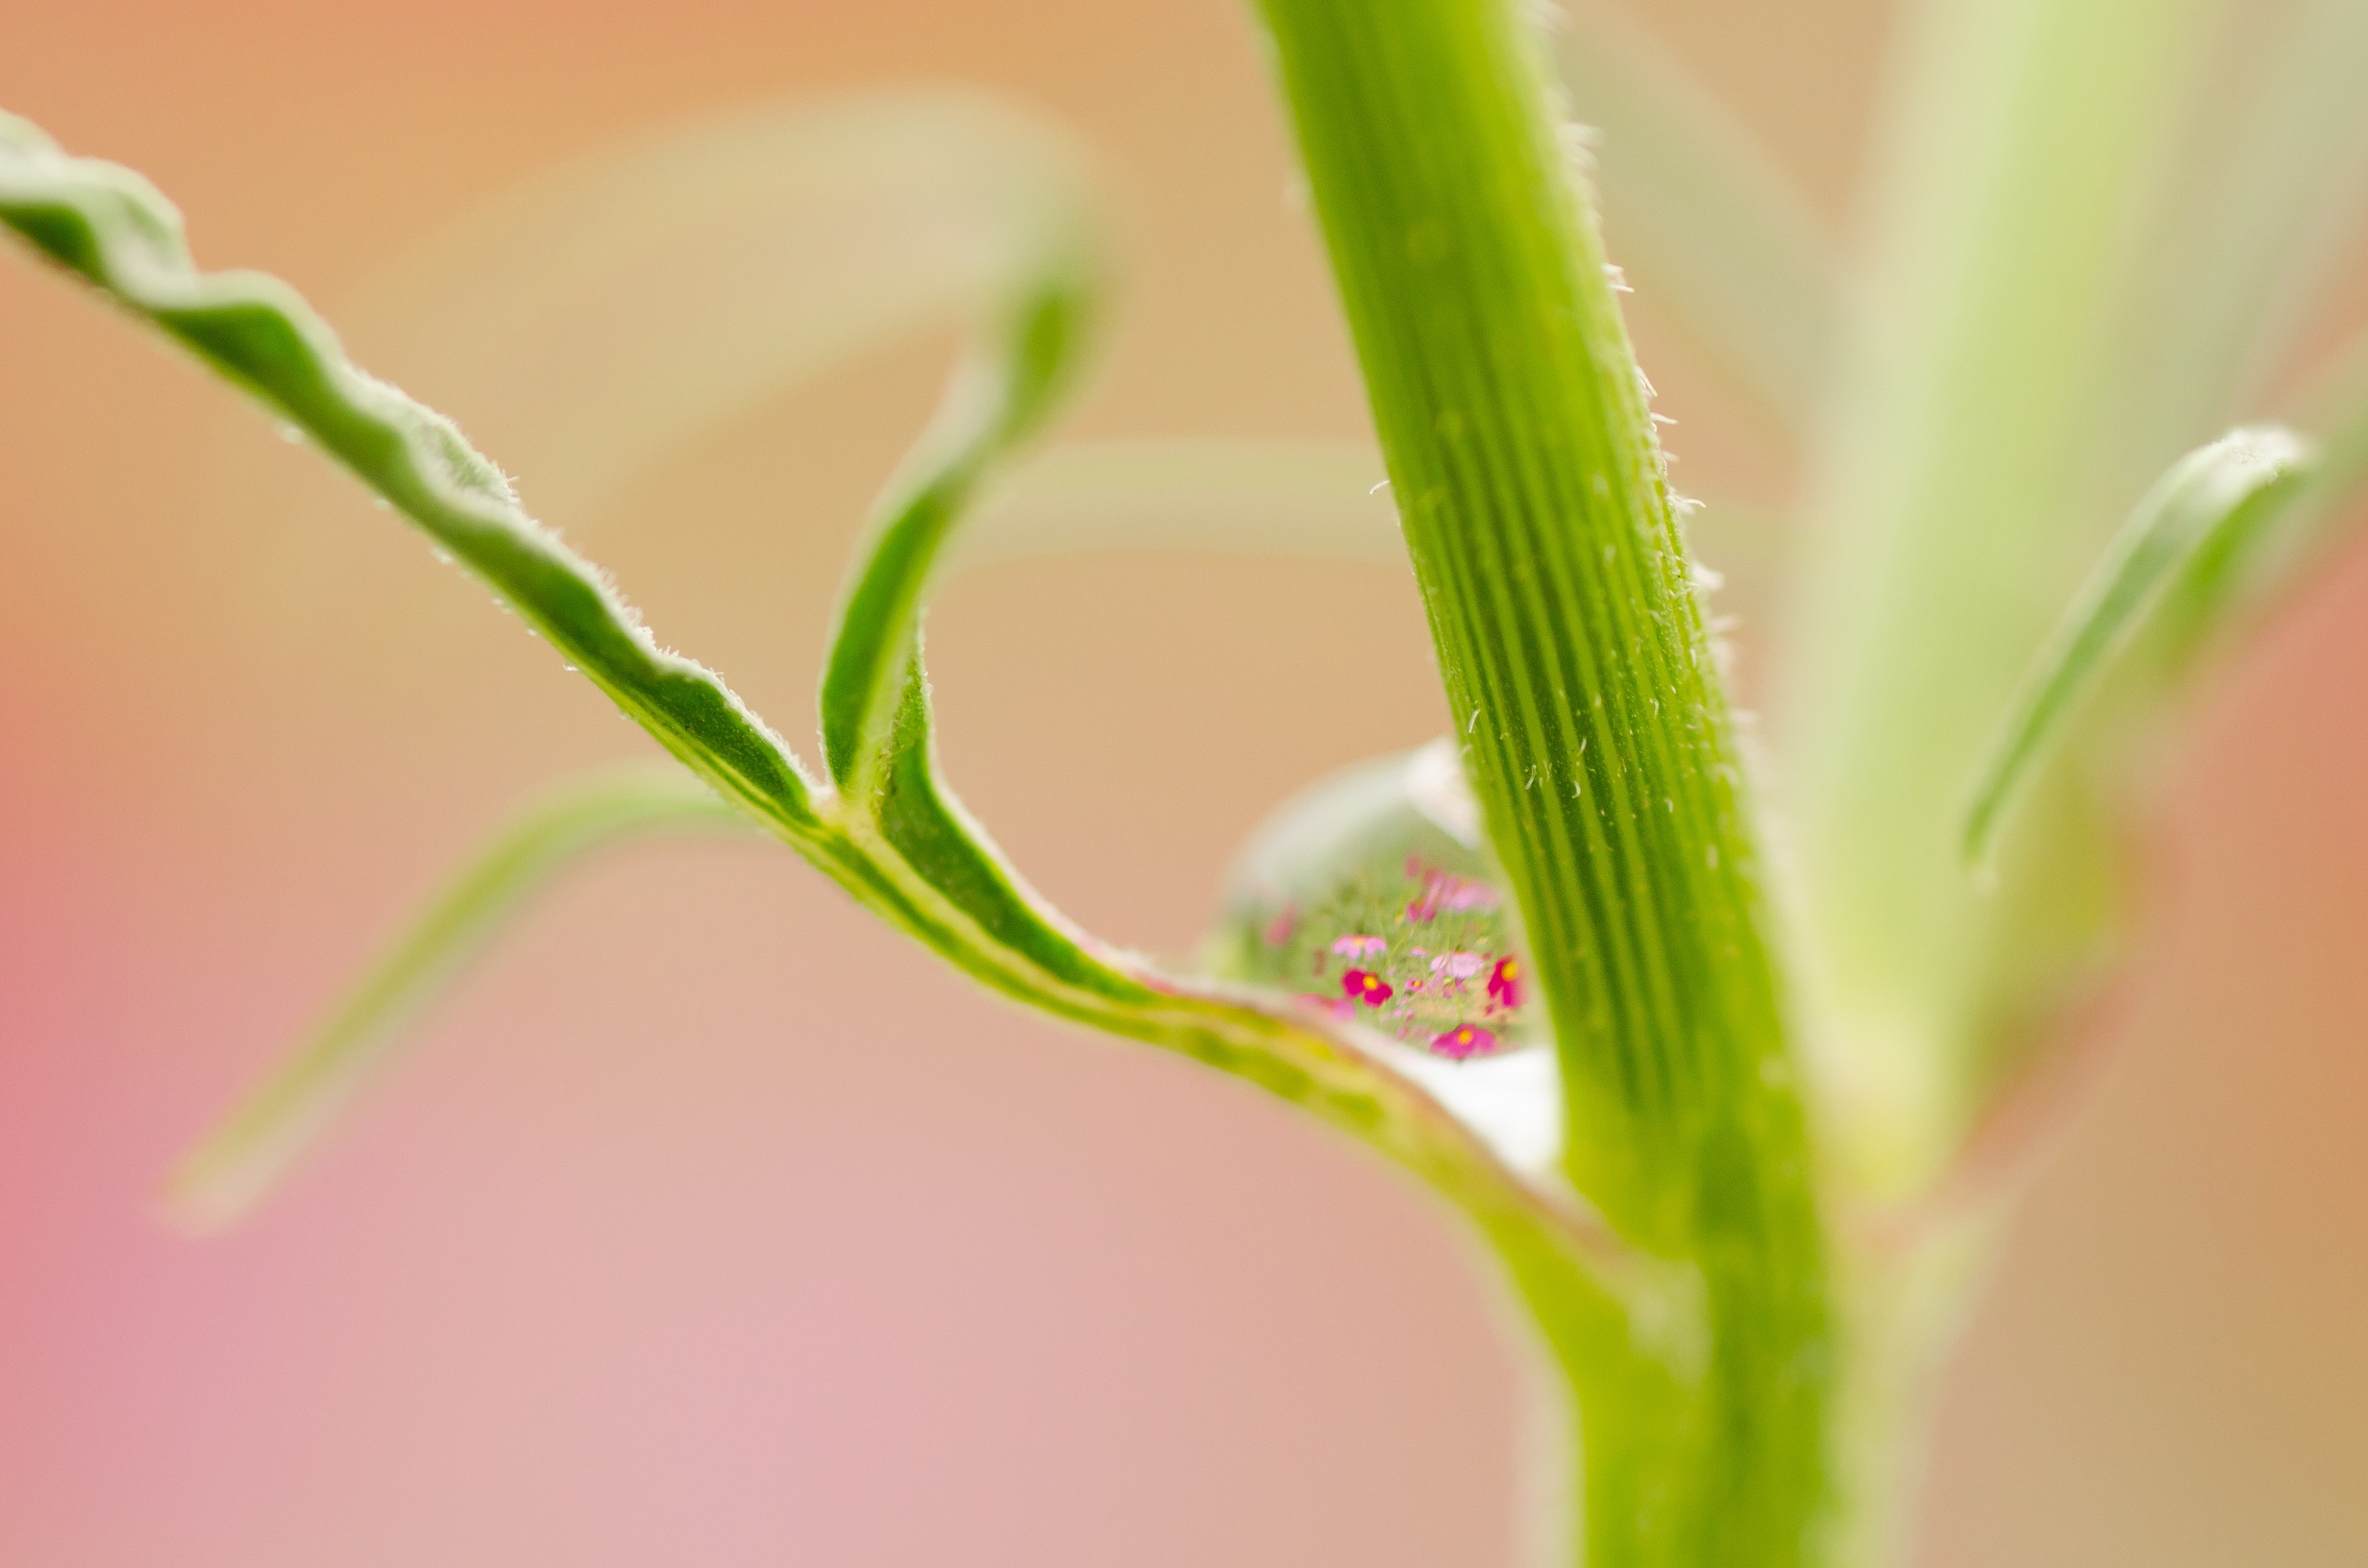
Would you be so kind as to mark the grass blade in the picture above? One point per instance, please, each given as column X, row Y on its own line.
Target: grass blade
column 2215, row 493
column 252, row 1148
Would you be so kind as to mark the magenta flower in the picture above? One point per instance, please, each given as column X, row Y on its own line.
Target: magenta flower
column 1505, row 983
column 1367, row 987
column 1359, row 947
column 1464, row 1040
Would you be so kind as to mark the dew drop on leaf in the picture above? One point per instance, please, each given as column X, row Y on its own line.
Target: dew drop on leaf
column 1368, row 894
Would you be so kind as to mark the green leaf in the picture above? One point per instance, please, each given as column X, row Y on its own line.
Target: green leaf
column 114, row 230
column 252, row 1148
column 1579, row 672
column 2214, row 494
column 998, row 400
column 1701, row 214
column 2242, row 572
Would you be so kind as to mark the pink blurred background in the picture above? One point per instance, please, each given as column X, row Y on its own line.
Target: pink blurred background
column 710, row 1224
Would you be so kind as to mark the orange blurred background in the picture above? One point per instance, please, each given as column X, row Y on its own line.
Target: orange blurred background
column 711, row 1224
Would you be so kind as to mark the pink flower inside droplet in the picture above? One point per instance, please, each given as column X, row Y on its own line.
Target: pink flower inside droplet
column 1458, row 894
column 1367, row 987
column 1356, row 946
column 1445, row 894
column 1506, row 984
column 1463, row 1042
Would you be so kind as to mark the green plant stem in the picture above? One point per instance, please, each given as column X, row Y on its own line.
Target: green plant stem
column 1533, row 496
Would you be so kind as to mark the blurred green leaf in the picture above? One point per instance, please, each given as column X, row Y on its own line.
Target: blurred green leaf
column 599, row 317
column 2018, row 146
column 2213, row 495
column 2241, row 573
column 1321, row 499
column 253, row 1147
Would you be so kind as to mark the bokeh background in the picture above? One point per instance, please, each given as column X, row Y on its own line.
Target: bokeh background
column 709, row 1224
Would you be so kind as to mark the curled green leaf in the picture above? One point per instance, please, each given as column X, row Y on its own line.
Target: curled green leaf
column 253, row 1147
column 2213, row 496
column 997, row 401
